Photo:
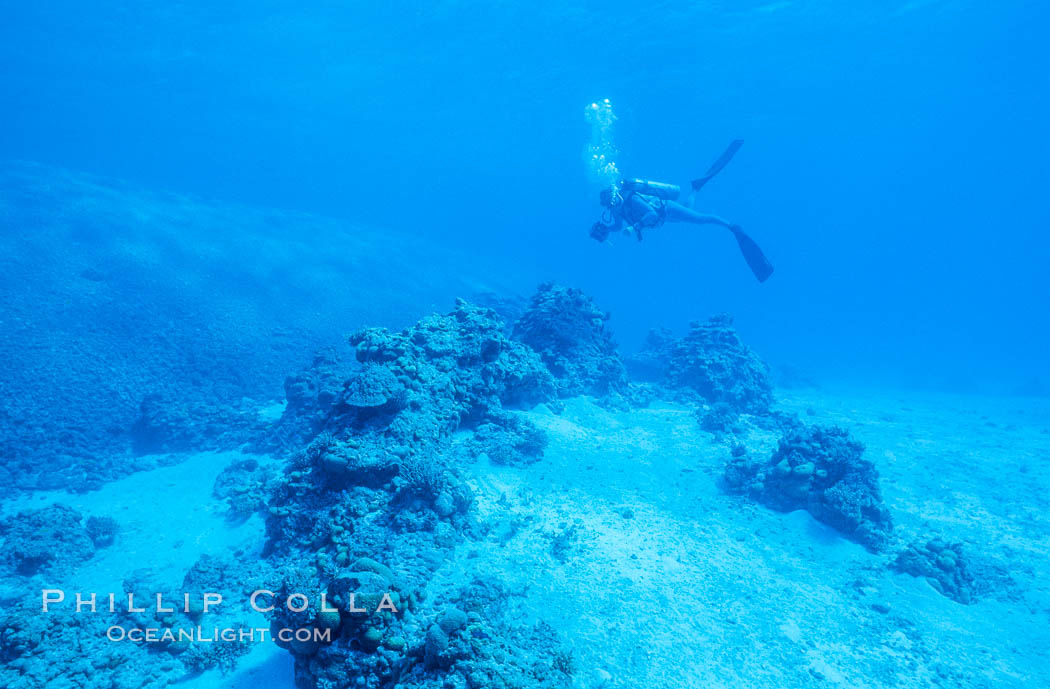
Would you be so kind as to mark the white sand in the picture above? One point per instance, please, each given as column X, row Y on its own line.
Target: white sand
column 693, row 587
column 703, row 589
column 168, row 520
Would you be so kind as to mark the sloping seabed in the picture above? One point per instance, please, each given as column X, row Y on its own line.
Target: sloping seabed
column 127, row 313
column 621, row 539
column 544, row 512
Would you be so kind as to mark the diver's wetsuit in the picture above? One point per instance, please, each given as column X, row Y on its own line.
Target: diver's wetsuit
column 638, row 212
column 634, row 205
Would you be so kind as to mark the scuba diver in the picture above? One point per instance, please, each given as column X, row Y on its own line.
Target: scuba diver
column 637, row 205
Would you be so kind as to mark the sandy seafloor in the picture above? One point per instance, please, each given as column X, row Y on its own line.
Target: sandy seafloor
column 661, row 579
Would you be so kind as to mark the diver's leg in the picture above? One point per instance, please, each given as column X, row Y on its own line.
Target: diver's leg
column 756, row 260
column 676, row 212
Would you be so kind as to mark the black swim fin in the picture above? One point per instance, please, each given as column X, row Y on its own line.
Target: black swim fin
column 756, row 260
column 716, row 167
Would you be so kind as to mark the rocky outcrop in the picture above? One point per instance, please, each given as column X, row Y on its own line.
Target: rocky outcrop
column 823, row 471
column 310, row 396
column 167, row 425
column 379, row 484
column 52, row 541
column 568, row 331
column 953, row 569
column 651, row 362
column 713, row 362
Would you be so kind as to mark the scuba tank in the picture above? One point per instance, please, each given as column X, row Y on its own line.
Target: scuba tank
column 667, row 192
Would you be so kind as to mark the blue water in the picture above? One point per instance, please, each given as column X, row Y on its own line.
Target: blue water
column 196, row 197
column 895, row 154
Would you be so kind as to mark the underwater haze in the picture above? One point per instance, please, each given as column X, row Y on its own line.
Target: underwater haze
column 895, row 154
column 367, row 345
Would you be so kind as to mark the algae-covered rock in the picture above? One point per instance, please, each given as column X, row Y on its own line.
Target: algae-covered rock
column 371, row 639
column 509, row 439
column 460, row 366
column 304, row 646
column 436, row 647
column 328, row 619
column 953, row 569
column 823, row 471
column 452, row 620
column 359, row 591
column 374, row 390
column 102, row 530
column 243, row 485
column 362, row 461
column 52, row 541
column 310, row 397
column 367, row 564
column 568, row 330
column 712, row 361
column 651, row 362
column 444, row 504
column 382, row 478
column 719, row 418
